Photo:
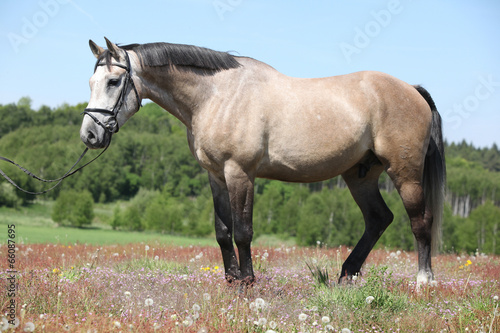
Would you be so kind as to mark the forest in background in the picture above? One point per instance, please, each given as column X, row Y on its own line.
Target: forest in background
column 157, row 185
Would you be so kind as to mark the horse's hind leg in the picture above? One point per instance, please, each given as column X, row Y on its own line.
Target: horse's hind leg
column 365, row 191
column 412, row 194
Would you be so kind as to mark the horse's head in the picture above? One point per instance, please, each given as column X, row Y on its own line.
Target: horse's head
column 114, row 97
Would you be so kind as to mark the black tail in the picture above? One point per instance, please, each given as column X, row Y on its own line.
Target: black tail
column 434, row 171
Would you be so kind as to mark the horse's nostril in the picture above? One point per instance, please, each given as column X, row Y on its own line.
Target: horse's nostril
column 91, row 136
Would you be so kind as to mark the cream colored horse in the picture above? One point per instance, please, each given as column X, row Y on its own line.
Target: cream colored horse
column 245, row 120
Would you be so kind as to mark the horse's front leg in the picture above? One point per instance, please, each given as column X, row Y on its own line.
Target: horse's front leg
column 240, row 185
column 224, row 228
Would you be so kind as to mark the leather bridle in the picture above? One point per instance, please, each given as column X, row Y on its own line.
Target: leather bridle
column 114, row 128
column 88, row 111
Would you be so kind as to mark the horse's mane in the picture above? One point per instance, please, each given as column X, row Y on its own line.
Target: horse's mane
column 167, row 54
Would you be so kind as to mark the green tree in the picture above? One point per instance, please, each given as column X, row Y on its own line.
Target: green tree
column 485, row 221
column 74, row 208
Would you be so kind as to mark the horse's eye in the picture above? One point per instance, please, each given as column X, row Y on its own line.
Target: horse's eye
column 113, row 82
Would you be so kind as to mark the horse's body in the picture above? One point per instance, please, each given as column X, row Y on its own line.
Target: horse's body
column 245, row 120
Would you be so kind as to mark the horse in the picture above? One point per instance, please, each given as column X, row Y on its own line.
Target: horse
column 244, row 119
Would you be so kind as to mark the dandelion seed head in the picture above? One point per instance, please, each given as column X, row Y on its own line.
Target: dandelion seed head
column 188, row 321
column 206, row 297
column 370, row 299
column 273, row 324
column 495, row 298
column 148, row 302
column 345, row 330
column 260, row 303
column 4, row 325
column 325, row 319
column 262, row 321
column 127, row 294
column 302, row 317
column 29, row 327
column 196, row 307
column 117, row 324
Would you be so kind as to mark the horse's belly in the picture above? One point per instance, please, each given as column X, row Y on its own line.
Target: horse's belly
column 309, row 167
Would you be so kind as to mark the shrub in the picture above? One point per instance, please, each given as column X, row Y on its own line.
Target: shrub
column 74, row 208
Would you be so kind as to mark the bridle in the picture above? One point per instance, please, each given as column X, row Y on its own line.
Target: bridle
column 121, row 98
column 88, row 111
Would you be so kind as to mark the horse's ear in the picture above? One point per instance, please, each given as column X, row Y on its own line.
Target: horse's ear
column 96, row 49
column 113, row 49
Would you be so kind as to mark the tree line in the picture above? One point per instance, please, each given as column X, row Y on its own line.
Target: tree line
column 157, row 185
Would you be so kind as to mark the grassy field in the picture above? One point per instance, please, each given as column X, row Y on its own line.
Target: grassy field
column 34, row 225
column 155, row 287
column 100, row 280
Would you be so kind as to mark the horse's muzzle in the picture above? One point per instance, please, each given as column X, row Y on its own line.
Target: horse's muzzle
column 94, row 137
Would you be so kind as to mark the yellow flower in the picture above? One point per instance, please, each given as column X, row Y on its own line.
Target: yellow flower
column 216, row 267
column 469, row 263
column 55, row 271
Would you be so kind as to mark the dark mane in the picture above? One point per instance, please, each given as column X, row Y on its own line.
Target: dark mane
column 166, row 54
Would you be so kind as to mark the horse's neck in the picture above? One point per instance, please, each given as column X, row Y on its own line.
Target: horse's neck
column 179, row 92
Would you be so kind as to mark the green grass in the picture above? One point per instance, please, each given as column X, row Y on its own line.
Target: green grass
column 37, row 214
column 34, row 225
column 63, row 235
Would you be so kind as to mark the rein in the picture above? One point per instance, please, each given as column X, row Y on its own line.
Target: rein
column 58, row 180
column 88, row 111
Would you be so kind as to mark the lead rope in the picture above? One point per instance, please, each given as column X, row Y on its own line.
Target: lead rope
column 58, row 180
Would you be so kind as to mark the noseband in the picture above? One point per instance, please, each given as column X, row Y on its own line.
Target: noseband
column 121, row 98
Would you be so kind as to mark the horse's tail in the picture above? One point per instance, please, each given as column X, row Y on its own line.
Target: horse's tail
column 434, row 179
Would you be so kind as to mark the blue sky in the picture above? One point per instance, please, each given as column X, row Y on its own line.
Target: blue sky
column 450, row 47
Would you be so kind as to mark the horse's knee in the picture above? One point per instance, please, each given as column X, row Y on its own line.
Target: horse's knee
column 223, row 236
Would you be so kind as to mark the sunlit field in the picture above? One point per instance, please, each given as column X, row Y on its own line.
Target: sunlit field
column 160, row 288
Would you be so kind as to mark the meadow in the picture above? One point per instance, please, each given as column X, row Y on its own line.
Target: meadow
column 157, row 286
